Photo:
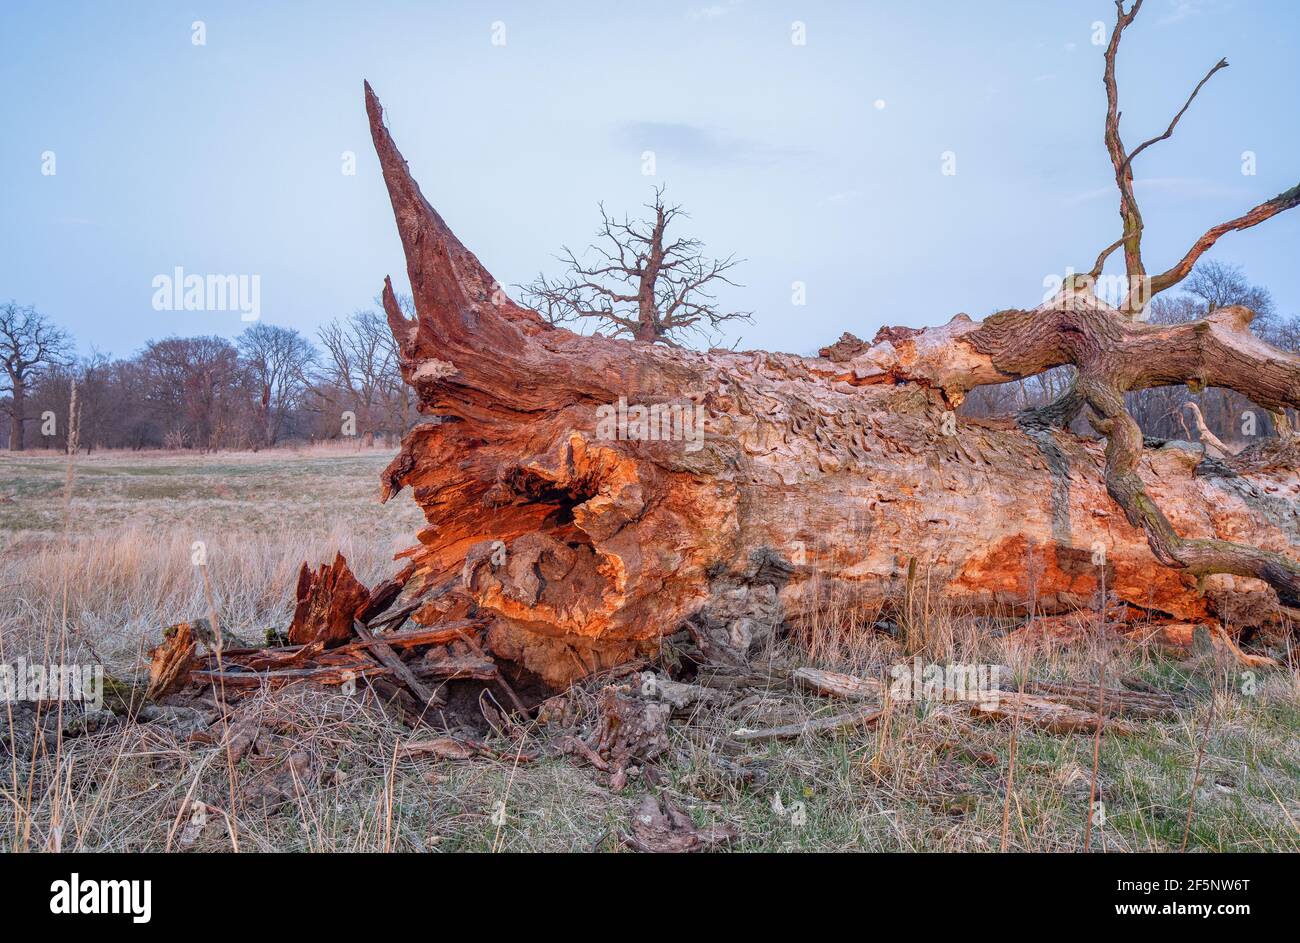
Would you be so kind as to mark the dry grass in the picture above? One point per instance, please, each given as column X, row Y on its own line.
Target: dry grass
column 138, row 521
column 327, row 773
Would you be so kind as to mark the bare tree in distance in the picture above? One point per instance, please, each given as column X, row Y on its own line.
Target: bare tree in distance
column 277, row 360
column 1218, row 285
column 29, row 343
column 194, row 388
column 1165, row 411
column 359, row 371
column 638, row 283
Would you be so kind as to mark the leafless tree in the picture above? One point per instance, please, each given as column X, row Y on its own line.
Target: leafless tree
column 359, row 371
column 637, row 282
column 193, row 386
column 1216, row 285
column 1164, row 411
column 29, row 343
column 97, row 413
column 276, row 360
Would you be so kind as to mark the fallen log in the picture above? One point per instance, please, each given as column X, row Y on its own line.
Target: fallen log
column 1115, row 702
column 566, row 503
column 256, row 679
column 1042, row 714
column 836, row 684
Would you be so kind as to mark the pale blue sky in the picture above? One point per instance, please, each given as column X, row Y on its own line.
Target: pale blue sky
column 226, row 158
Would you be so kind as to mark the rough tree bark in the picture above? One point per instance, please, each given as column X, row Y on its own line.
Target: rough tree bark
column 843, row 480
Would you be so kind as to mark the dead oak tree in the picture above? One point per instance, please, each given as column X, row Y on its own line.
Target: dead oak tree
column 844, row 476
column 641, row 284
column 29, row 343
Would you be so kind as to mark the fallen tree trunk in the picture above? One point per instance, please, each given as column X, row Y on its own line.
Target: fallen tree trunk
column 589, row 496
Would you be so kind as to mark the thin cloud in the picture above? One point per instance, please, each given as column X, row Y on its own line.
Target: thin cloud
column 698, row 145
column 715, row 11
column 841, row 197
column 1181, row 10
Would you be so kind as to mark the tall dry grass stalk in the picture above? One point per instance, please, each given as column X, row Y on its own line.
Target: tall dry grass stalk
column 122, row 584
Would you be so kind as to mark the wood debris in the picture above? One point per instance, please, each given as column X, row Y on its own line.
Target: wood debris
column 169, row 663
column 659, row 826
column 462, row 748
column 1115, row 702
column 329, row 599
column 1039, row 712
column 835, row 684
column 628, row 730
column 861, row 717
column 331, row 644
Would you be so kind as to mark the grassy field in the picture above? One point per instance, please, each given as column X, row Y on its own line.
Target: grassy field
column 119, row 555
column 101, row 571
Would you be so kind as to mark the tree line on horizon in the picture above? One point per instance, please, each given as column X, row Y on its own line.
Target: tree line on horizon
column 269, row 386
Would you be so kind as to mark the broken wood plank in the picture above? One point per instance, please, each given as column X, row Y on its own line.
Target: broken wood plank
column 730, row 677
column 394, row 620
column 836, row 684
column 327, row 675
column 855, row 718
column 384, row 652
column 458, row 669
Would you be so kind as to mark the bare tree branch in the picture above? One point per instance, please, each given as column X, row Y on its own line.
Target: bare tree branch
column 1128, row 208
column 1221, row 64
column 1141, row 289
column 1269, row 208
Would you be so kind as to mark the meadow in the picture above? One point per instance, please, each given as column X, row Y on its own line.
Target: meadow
column 95, row 559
